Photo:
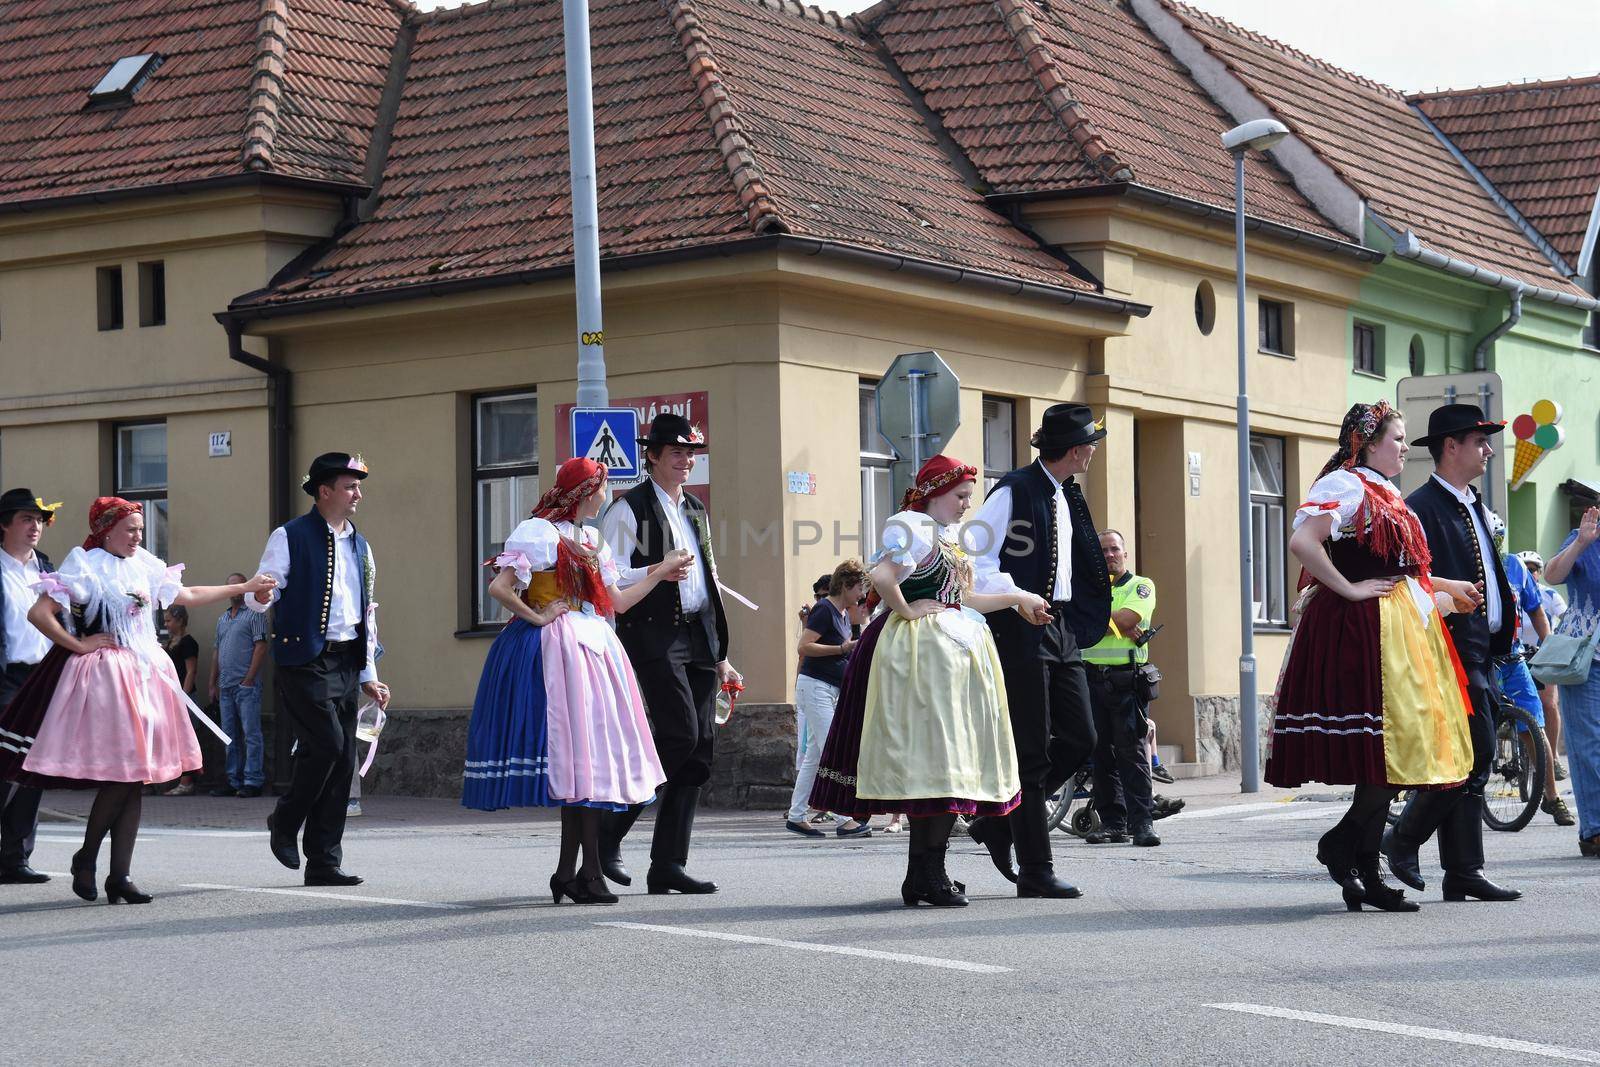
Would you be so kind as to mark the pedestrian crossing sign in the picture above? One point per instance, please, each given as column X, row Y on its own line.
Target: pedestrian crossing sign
column 610, row 437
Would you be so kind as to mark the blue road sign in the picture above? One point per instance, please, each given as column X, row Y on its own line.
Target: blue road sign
column 610, row 437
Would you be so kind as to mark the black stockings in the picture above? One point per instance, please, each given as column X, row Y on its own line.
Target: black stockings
column 116, row 812
column 930, row 833
column 1368, row 814
column 579, row 825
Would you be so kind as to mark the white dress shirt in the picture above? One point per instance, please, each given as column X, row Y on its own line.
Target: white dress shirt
column 1491, row 588
column 24, row 642
column 344, row 607
column 986, row 536
column 620, row 530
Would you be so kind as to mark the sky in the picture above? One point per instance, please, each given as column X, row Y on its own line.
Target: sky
column 1411, row 44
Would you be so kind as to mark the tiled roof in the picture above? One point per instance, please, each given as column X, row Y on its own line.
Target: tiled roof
column 286, row 86
column 1539, row 143
column 1373, row 140
column 1072, row 94
column 715, row 121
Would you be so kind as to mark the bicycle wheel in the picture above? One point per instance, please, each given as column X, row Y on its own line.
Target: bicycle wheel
column 1516, row 775
column 1068, row 805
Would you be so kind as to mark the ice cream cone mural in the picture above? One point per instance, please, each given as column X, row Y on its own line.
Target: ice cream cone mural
column 1537, row 433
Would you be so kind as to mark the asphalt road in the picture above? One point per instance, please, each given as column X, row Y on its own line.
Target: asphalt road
column 453, row 954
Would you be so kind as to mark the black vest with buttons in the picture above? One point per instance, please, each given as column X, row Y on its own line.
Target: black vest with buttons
column 648, row 629
column 1453, row 542
column 300, row 618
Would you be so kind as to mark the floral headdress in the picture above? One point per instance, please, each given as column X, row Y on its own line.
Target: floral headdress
column 576, row 481
column 1356, row 433
column 104, row 514
column 938, row 476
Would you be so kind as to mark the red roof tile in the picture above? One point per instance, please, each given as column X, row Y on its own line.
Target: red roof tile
column 715, row 121
column 288, row 86
column 1073, row 94
column 1366, row 133
column 1539, row 143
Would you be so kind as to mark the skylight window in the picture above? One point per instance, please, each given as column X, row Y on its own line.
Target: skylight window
column 124, row 78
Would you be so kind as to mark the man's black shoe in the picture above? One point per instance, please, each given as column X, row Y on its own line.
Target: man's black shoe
column 994, row 834
column 1045, row 884
column 1401, row 856
column 1145, row 837
column 224, row 791
column 664, row 878
column 22, row 875
column 332, row 876
column 1458, row 887
column 250, row 791
column 284, row 848
column 1107, row 835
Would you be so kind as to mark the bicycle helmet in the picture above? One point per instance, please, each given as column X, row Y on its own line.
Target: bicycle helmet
column 1530, row 558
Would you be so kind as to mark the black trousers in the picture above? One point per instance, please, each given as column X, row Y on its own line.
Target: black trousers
column 320, row 700
column 680, row 697
column 1461, row 836
column 1121, row 755
column 19, row 805
column 1048, row 691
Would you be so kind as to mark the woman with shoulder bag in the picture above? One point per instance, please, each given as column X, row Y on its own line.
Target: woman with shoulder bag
column 1578, row 565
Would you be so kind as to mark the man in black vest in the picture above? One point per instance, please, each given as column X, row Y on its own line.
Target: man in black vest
column 677, row 640
column 1035, row 532
column 1457, row 528
column 23, row 518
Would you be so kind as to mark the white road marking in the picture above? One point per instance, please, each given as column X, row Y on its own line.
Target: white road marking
column 71, row 835
column 807, row 946
column 334, row 896
column 1425, row 1033
column 1302, row 813
column 1230, row 809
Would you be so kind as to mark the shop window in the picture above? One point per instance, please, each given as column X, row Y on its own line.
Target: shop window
column 1276, row 327
column 505, row 482
column 999, row 437
column 108, row 297
column 153, row 294
column 1268, row 531
column 877, row 472
column 141, row 474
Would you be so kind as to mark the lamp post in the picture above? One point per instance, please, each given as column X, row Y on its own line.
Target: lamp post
column 585, row 211
column 1259, row 134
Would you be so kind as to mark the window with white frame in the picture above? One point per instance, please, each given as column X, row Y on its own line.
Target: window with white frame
column 877, row 478
column 141, row 474
column 505, row 482
column 999, row 437
column 1268, row 531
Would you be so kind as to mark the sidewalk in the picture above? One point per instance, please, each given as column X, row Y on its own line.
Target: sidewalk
column 392, row 812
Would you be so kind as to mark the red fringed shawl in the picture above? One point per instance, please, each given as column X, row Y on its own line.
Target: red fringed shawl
column 578, row 576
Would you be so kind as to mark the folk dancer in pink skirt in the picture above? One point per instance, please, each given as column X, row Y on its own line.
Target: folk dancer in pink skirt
column 922, row 726
column 558, row 720
column 1372, row 693
column 104, row 709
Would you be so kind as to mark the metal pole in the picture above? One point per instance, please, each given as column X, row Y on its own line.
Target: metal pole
column 585, row 210
column 1249, row 727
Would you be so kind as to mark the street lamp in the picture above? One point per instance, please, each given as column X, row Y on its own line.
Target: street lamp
column 1259, row 134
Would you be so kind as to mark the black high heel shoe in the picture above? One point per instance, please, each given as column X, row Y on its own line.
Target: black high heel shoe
column 123, row 891
column 83, row 878
column 1335, row 852
column 581, row 890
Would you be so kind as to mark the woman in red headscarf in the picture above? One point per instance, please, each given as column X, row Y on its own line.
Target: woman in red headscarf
column 1372, row 693
column 922, row 726
column 105, row 709
column 558, row 720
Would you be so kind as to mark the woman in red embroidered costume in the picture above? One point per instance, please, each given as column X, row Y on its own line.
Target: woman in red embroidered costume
column 1372, row 694
column 558, row 720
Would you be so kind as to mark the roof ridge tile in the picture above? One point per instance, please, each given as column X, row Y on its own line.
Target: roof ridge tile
column 735, row 146
column 1019, row 23
column 1573, row 82
column 266, row 84
column 1286, row 49
column 811, row 13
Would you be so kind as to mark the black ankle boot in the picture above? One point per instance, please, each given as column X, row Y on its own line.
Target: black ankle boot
column 1336, row 851
column 1377, row 892
column 927, row 883
column 1423, row 814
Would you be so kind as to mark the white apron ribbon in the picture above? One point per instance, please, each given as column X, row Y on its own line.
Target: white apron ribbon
column 194, row 709
column 740, row 597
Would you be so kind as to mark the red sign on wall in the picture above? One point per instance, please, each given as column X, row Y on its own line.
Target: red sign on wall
column 692, row 406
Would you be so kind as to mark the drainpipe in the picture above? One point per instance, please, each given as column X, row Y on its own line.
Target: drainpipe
column 1480, row 354
column 278, row 410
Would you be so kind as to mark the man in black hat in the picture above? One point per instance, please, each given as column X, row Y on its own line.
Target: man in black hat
column 677, row 640
column 23, row 518
column 323, row 642
column 1457, row 528
column 1035, row 532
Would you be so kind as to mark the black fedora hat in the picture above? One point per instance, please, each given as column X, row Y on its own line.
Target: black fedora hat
column 14, row 500
column 329, row 466
column 1067, row 426
column 669, row 428
column 1456, row 418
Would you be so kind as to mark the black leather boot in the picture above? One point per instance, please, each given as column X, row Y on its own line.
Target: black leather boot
column 1423, row 814
column 1461, row 855
column 1336, row 850
column 994, row 834
column 669, row 852
column 1378, row 893
column 614, row 826
column 1036, row 870
column 926, row 881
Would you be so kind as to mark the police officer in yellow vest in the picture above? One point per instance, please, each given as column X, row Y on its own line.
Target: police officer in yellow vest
column 1122, row 792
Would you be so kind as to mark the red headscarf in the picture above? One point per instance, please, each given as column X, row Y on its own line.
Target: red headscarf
column 937, row 477
column 576, row 480
column 104, row 513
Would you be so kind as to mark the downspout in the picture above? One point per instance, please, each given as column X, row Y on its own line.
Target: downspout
column 1480, row 354
column 278, row 424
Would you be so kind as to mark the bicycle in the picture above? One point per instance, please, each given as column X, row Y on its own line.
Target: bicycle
column 1516, row 772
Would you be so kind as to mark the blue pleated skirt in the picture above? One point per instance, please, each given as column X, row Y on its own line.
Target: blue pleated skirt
column 507, row 745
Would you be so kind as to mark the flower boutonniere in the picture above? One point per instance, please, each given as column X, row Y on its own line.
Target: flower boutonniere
column 137, row 602
column 369, row 575
column 702, row 530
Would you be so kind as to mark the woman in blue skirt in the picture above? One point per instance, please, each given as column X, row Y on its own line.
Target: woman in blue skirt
column 558, row 720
